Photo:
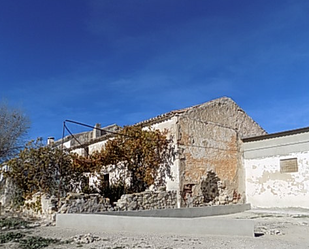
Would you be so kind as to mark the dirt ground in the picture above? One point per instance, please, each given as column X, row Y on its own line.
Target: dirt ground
column 273, row 229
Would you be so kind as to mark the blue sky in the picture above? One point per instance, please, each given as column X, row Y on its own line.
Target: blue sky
column 124, row 61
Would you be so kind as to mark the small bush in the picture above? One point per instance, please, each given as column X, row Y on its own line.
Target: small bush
column 11, row 236
column 37, row 242
column 27, row 242
column 13, row 223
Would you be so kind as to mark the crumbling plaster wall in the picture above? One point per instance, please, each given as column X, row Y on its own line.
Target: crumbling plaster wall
column 209, row 141
column 266, row 185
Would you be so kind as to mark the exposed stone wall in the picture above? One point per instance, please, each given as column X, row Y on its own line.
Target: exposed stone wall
column 212, row 192
column 45, row 207
column 147, row 200
column 226, row 113
column 85, row 203
column 209, row 140
column 7, row 192
column 41, row 206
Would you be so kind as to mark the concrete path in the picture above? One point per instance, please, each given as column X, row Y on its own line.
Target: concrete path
column 178, row 224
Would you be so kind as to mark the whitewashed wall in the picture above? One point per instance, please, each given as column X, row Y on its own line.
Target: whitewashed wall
column 96, row 146
column 79, row 151
column 170, row 126
column 266, row 186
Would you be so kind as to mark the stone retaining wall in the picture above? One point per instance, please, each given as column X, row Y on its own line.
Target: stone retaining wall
column 85, row 203
column 198, row 201
column 45, row 207
column 41, row 206
column 147, row 200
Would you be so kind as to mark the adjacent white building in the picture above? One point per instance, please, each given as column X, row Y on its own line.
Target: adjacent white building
column 277, row 169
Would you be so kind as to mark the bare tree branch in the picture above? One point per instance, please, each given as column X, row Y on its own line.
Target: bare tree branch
column 13, row 126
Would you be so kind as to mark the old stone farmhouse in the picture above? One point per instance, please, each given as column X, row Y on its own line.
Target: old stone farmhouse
column 223, row 157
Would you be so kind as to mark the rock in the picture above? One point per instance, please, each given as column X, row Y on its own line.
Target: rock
column 33, row 225
column 132, row 206
column 274, row 232
column 85, row 238
column 71, row 196
column 162, row 189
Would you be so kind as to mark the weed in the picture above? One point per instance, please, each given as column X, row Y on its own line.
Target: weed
column 37, row 242
column 11, row 236
column 13, row 223
column 27, row 242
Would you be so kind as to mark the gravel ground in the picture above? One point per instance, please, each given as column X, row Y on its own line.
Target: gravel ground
column 273, row 230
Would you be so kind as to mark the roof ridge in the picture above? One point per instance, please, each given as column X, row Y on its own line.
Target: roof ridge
column 172, row 113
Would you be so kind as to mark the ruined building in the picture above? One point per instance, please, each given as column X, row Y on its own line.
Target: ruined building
column 208, row 139
column 224, row 157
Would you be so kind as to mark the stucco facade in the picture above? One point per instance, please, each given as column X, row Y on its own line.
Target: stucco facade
column 277, row 169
